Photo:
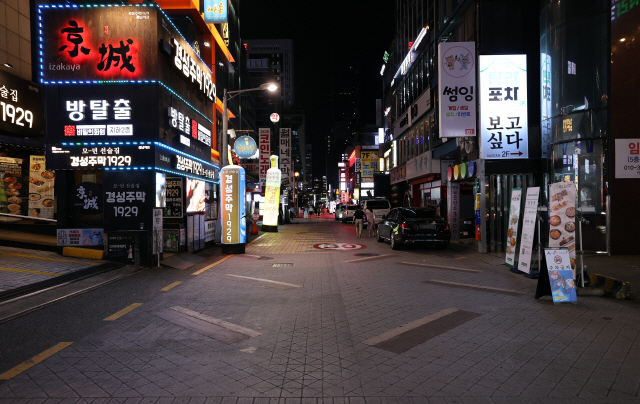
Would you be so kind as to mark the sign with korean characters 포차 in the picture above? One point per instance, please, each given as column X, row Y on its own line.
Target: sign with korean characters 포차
column 528, row 229
column 561, row 278
column 21, row 108
column 628, row 158
column 86, row 157
column 264, row 139
column 285, row 157
column 232, row 206
column 562, row 217
column 457, row 89
column 41, row 187
column 503, row 97
column 513, row 223
column 128, row 200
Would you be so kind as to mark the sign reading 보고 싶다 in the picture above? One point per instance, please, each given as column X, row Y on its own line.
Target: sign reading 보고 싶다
column 86, row 44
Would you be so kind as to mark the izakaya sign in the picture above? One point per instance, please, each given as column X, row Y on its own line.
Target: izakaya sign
column 86, row 44
column 456, row 86
column 504, row 120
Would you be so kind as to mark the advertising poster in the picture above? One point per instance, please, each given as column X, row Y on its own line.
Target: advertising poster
column 264, row 139
column 173, row 204
column 121, row 248
column 503, row 96
column 80, row 237
column 628, row 158
column 457, row 88
column 232, row 205
column 171, row 240
column 13, row 197
column 453, row 205
column 272, row 194
column 561, row 279
column 368, row 165
column 41, row 186
column 195, row 195
column 528, row 229
column 285, row 157
column 562, row 218
column 514, row 222
column 157, row 231
column 126, row 201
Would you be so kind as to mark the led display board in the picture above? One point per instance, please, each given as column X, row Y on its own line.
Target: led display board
column 232, row 205
column 504, row 121
column 101, row 155
column 457, row 88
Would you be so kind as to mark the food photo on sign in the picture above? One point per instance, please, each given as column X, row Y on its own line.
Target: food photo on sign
column 562, row 218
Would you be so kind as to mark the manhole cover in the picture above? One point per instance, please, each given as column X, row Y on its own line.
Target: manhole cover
column 265, row 258
column 339, row 246
column 366, row 255
column 283, row 265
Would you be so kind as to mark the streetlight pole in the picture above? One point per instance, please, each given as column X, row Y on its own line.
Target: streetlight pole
column 225, row 116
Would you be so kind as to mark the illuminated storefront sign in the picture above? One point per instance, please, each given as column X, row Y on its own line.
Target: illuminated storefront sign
column 245, row 147
column 369, row 164
column 503, row 96
column 215, row 11
column 272, row 194
column 232, row 207
column 285, row 157
column 105, row 155
column 186, row 63
column 457, row 89
column 264, row 137
column 21, row 109
column 545, row 104
column 189, row 126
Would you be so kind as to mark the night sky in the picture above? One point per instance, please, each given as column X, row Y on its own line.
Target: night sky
column 323, row 32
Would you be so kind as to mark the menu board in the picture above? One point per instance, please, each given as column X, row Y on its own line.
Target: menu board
column 41, row 184
column 561, row 276
column 528, row 229
column 13, row 198
column 562, row 217
column 514, row 221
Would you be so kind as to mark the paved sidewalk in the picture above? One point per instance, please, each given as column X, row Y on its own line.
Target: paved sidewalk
column 365, row 326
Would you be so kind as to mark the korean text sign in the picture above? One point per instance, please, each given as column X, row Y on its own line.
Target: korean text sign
column 513, row 224
column 272, row 194
column 21, row 110
column 628, row 158
column 264, row 139
column 368, row 163
column 528, row 228
column 232, row 209
column 503, row 102
column 457, row 88
column 128, row 200
column 285, row 157
column 215, row 11
column 563, row 287
column 453, row 201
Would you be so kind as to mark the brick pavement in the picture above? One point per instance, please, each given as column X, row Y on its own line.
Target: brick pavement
column 21, row 267
column 311, row 346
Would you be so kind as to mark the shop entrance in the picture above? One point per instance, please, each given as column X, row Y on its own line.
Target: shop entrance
column 500, row 187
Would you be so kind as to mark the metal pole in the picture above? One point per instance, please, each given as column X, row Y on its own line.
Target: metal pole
column 225, row 125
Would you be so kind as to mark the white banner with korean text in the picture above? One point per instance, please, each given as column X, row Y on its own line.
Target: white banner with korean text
column 457, row 89
column 285, row 157
column 264, row 139
column 528, row 229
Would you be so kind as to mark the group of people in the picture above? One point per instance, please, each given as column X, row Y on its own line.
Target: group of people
column 309, row 211
column 358, row 219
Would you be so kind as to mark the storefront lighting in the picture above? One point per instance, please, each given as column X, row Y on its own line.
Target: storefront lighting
column 186, row 175
column 186, row 155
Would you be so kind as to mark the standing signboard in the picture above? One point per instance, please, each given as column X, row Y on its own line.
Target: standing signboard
column 528, row 229
column 232, row 206
column 562, row 217
column 628, row 158
column 561, row 278
column 457, row 89
column 126, row 204
column 285, row 157
column 512, row 232
column 264, row 142
column 157, row 231
column 453, row 207
column 503, row 98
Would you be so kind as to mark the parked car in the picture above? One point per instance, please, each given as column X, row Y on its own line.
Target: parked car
column 379, row 206
column 348, row 213
column 409, row 226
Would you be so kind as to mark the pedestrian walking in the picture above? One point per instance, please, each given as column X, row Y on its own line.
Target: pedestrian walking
column 371, row 224
column 358, row 216
column 306, row 212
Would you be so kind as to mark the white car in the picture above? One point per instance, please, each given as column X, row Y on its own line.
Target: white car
column 380, row 207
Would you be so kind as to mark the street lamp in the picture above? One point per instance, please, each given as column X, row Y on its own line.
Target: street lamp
column 225, row 116
column 295, row 197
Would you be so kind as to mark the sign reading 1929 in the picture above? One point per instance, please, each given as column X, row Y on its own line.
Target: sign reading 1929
column 126, row 201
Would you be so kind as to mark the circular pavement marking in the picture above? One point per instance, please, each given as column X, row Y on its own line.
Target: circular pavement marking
column 339, row 246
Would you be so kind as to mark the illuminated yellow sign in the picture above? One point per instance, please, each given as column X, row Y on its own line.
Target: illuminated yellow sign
column 272, row 194
column 567, row 125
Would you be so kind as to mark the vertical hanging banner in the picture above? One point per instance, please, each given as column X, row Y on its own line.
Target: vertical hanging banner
column 457, row 88
column 528, row 229
column 545, row 105
column 503, row 97
column 232, row 207
column 285, row 157
column 264, row 142
column 514, row 222
column 562, row 217
column 272, row 194
column 453, row 201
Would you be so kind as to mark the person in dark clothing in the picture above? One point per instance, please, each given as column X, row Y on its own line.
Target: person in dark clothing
column 358, row 217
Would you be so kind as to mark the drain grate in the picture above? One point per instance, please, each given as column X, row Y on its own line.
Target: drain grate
column 283, row 265
column 366, row 255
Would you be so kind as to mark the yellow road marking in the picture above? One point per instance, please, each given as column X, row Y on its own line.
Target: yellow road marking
column 47, row 258
column 212, row 265
column 26, row 271
column 173, row 285
column 11, row 373
column 123, row 312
